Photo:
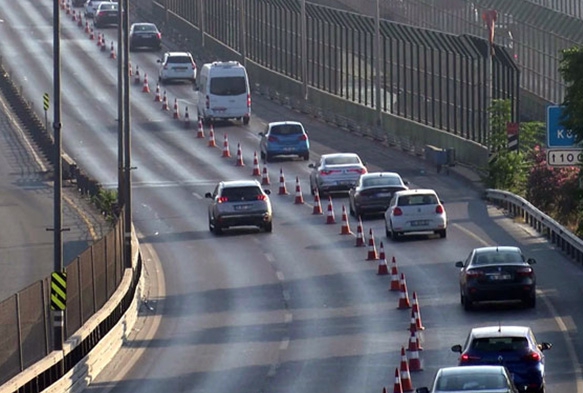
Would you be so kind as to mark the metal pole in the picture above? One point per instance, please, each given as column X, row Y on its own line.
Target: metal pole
column 489, row 98
column 304, row 38
column 127, row 144
column 201, row 22
column 120, row 110
column 58, row 316
column 242, row 32
column 377, row 63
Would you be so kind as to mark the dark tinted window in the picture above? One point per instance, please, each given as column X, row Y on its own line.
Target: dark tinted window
column 498, row 257
column 145, row 28
column 341, row 160
column 500, row 344
column 470, row 382
column 179, row 59
column 418, row 199
column 287, row 129
column 241, row 193
column 381, row 181
column 107, row 6
column 228, row 86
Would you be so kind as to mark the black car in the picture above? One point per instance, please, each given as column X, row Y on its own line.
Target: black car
column 497, row 273
column 106, row 14
column 145, row 35
column 373, row 192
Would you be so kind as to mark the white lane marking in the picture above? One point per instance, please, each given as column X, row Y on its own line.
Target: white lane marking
column 471, row 234
column 269, row 257
column 197, row 195
column 288, row 317
column 280, row 276
column 286, row 295
column 284, row 344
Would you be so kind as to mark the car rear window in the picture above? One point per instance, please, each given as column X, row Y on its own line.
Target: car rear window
column 381, row 181
column 499, row 344
column 471, row 382
column 341, row 160
column 286, row 129
column 497, row 257
column 228, row 85
column 107, row 6
column 179, row 59
column 418, row 199
column 241, row 193
column 144, row 28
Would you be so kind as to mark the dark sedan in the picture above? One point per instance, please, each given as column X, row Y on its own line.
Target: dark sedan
column 497, row 273
column 373, row 192
column 145, row 35
column 106, row 14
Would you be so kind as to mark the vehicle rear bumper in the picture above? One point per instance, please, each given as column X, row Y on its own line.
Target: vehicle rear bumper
column 505, row 292
column 233, row 220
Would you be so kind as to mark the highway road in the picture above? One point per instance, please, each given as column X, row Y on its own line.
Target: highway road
column 26, row 209
column 298, row 310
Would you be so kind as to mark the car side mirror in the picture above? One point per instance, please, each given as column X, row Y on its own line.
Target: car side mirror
column 311, row 166
column 531, row 261
column 457, row 348
column 545, row 346
column 406, row 182
column 422, row 390
column 159, row 61
column 268, row 192
column 196, row 87
column 459, row 264
column 208, row 195
column 261, row 134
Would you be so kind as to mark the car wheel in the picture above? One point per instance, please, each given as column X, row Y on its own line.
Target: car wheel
column 268, row 157
column 387, row 232
column 442, row 233
column 268, row 227
column 307, row 157
column 351, row 210
column 530, row 302
column 246, row 120
column 218, row 230
column 467, row 303
column 262, row 154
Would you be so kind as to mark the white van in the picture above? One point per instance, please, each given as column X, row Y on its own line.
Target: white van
column 223, row 92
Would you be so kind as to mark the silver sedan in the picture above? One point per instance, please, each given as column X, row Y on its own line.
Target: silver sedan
column 336, row 172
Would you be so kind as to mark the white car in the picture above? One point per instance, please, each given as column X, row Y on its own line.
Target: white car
column 415, row 211
column 91, row 7
column 177, row 66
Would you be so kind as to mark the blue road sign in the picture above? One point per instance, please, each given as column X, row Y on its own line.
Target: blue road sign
column 557, row 136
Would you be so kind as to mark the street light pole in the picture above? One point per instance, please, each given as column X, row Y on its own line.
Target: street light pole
column 127, row 140
column 304, row 48
column 377, row 63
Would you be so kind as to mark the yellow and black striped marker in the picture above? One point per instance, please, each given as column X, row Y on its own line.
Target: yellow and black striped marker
column 58, row 291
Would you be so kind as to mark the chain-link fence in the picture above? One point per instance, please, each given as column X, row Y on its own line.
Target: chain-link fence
column 434, row 78
column 25, row 320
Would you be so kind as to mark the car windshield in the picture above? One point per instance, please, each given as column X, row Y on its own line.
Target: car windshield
column 228, row 85
column 470, row 382
column 286, row 129
column 234, row 194
column 418, row 199
column 381, row 181
column 499, row 344
column 144, row 28
column 498, row 257
column 179, row 59
column 107, row 6
column 340, row 160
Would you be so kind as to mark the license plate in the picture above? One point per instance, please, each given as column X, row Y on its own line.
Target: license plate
column 288, row 149
column 219, row 109
column 179, row 68
column 384, row 194
column 499, row 277
column 242, row 207
column 419, row 223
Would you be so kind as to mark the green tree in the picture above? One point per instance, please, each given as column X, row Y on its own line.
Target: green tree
column 571, row 69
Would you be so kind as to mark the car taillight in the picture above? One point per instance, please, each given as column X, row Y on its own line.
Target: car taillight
column 325, row 172
column 222, row 199
column 532, row 357
column 248, row 100
column 474, row 273
column 524, row 271
column 261, row 197
column 159, row 35
column 439, row 209
column 272, row 139
column 207, row 102
column 303, row 137
column 397, row 211
column 361, row 171
column 465, row 358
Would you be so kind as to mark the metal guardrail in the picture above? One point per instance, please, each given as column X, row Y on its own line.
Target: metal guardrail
column 555, row 233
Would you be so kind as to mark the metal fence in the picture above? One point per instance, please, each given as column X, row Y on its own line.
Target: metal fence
column 533, row 31
column 430, row 77
column 25, row 321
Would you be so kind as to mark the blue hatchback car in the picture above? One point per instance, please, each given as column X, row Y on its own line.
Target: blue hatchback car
column 284, row 138
column 514, row 347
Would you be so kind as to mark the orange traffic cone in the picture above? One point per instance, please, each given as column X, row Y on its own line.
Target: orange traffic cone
column 226, row 151
column 165, row 102
column 137, row 76
column 397, row 387
column 415, row 361
column 145, row 86
column 73, row 16
column 417, row 313
column 256, row 171
column 395, row 283
column 186, row 118
column 412, row 324
column 112, row 54
column 98, row 39
column 91, row 34
column 359, row 234
column 406, row 383
column 211, row 141
column 372, row 251
column 330, row 219
column 176, row 114
column 282, row 188
column 130, row 72
column 403, row 296
column 265, row 177
column 383, row 269
column 239, row 156
column 299, row 200
column 80, row 22
column 345, row 228
column 87, row 30
column 103, row 43
column 67, row 9
column 157, row 96
column 317, row 205
column 200, row 131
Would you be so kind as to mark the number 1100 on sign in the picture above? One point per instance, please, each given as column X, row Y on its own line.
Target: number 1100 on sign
column 564, row 157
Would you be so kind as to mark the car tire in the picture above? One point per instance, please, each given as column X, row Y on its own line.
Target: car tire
column 246, row 120
column 442, row 233
column 306, row 157
column 262, row 154
column 351, row 210
column 268, row 227
column 467, row 303
column 387, row 232
column 530, row 302
column 268, row 157
column 218, row 230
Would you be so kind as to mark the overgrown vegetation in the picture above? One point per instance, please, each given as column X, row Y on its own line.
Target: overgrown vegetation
column 106, row 202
